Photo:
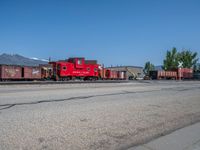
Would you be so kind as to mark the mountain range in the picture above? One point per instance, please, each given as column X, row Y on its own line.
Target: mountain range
column 16, row 59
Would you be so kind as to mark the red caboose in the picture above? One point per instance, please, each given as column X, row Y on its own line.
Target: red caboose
column 75, row 68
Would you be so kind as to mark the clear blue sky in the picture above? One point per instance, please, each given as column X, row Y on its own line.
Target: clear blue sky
column 117, row 32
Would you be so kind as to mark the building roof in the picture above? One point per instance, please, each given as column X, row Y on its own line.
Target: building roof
column 126, row 67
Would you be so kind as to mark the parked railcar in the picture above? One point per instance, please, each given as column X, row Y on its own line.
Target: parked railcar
column 180, row 73
column 162, row 75
column 10, row 72
column 121, row 75
column 196, row 75
column 46, row 71
column 75, row 68
column 107, row 74
column 31, row 73
column 185, row 73
column 103, row 73
column 113, row 75
column 15, row 73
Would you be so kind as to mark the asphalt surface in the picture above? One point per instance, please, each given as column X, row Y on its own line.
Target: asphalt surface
column 94, row 116
column 187, row 138
column 60, row 82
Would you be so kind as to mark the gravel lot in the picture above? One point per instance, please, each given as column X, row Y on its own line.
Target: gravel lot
column 99, row 116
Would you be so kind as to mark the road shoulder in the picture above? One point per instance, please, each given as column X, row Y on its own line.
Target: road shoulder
column 187, row 138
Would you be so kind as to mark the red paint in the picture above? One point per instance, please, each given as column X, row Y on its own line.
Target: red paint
column 10, row 72
column 31, row 72
column 74, row 67
column 185, row 73
column 180, row 73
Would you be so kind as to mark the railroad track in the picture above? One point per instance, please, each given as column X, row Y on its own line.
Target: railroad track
column 61, row 82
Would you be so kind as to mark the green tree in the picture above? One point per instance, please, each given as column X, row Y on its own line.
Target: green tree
column 188, row 58
column 148, row 67
column 197, row 67
column 171, row 60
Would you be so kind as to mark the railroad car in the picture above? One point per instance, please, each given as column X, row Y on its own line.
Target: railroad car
column 74, row 68
column 163, row 75
column 46, row 71
column 113, row 75
column 185, row 73
column 10, row 72
column 63, row 70
column 196, row 75
column 108, row 74
column 104, row 74
column 180, row 73
column 31, row 73
column 121, row 75
column 15, row 72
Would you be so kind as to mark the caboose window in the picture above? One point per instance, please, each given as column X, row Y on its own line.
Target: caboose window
column 64, row 67
column 88, row 69
column 95, row 69
column 79, row 62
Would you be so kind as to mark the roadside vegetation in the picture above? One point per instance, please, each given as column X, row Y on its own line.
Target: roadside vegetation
column 184, row 59
column 175, row 59
column 148, row 67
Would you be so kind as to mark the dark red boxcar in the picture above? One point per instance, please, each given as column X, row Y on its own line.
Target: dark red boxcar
column 167, row 74
column 31, row 72
column 10, row 72
column 121, row 75
column 163, row 74
column 185, row 73
column 104, row 73
column 113, row 74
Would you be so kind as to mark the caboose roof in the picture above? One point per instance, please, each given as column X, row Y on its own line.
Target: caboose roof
column 76, row 58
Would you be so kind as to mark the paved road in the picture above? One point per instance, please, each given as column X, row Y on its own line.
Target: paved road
column 94, row 116
column 187, row 138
